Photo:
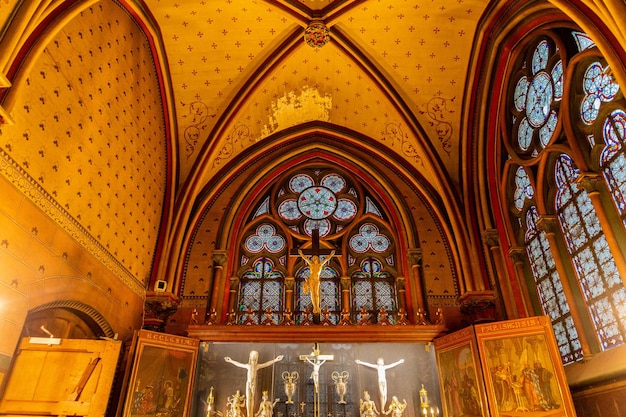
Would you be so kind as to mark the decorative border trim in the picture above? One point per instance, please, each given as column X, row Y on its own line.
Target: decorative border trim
column 37, row 195
column 81, row 307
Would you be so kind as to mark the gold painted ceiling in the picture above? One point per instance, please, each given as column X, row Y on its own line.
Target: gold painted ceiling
column 99, row 96
column 392, row 70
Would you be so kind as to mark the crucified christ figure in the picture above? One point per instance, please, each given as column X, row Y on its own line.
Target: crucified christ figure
column 312, row 284
column 382, row 379
column 252, row 366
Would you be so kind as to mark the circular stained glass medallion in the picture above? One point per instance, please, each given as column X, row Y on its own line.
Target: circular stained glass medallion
column 520, row 93
column 317, row 202
column 346, row 209
column 539, row 98
column 322, row 226
column 524, row 135
column 300, row 182
column 334, row 183
column 540, row 56
column 288, row 210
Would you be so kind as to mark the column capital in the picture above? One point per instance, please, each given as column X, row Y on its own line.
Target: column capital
column 548, row 223
column 479, row 306
column 158, row 308
column 234, row 282
column 518, row 254
column 219, row 257
column 491, row 238
column 592, row 182
column 415, row 255
column 400, row 283
column 345, row 282
column 289, row 283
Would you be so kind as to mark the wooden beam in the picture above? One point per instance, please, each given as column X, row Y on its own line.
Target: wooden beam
column 317, row 333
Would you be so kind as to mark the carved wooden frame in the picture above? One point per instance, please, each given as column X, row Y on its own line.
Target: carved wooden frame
column 162, row 366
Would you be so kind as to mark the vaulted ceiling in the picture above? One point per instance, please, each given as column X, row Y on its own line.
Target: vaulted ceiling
column 138, row 105
column 392, row 70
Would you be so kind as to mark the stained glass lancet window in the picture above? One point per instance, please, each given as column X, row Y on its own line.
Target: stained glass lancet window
column 564, row 67
column 372, row 289
column 597, row 273
column 548, row 282
column 372, row 283
column 261, row 286
column 550, row 289
column 261, row 291
column 613, row 159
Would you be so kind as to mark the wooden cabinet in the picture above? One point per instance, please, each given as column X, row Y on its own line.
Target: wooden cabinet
column 73, row 377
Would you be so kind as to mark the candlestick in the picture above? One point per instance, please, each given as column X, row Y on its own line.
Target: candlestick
column 424, row 398
column 210, row 399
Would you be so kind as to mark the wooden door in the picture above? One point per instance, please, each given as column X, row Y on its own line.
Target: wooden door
column 72, row 378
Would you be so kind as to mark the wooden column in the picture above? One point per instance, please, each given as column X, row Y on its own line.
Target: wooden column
column 290, row 283
column 346, row 284
column 219, row 258
column 549, row 225
column 232, row 293
column 520, row 260
column 415, row 259
column 503, row 281
column 401, row 287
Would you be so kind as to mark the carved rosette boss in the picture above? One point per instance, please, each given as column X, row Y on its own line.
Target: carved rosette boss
column 316, row 35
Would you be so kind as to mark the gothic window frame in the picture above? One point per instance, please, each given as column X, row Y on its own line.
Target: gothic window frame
column 538, row 155
column 259, row 244
column 371, row 251
column 594, row 265
column 280, row 204
column 522, row 200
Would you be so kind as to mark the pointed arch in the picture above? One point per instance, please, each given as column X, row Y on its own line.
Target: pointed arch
column 424, row 225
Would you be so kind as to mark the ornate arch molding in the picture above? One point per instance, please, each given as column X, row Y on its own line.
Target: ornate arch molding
column 388, row 175
column 504, row 29
column 353, row 155
column 87, row 313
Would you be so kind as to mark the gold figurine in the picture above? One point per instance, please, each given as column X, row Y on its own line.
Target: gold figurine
column 266, row 408
column 235, row 403
column 396, row 408
column 367, row 407
column 312, row 284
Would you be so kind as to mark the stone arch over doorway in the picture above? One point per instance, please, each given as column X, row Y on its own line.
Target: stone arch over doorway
column 67, row 319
